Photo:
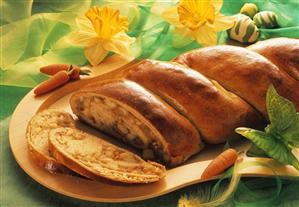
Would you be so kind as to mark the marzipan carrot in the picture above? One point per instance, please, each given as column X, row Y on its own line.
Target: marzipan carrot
column 220, row 163
column 54, row 68
column 74, row 70
column 55, row 81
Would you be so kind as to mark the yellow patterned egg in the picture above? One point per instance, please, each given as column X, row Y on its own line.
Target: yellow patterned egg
column 266, row 19
column 249, row 9
column 244, row 30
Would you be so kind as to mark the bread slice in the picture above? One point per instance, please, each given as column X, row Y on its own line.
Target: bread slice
column 96, row 159
column 37, row 136
column 131, row 113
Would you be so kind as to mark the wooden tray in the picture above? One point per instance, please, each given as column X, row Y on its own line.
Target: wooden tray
column 81, row 188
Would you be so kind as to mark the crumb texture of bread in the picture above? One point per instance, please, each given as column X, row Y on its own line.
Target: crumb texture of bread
column 127, row 111
column 95, row 158
column 38, row 133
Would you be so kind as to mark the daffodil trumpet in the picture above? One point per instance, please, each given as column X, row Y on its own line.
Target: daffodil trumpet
column 198, row 20
column 102, row 30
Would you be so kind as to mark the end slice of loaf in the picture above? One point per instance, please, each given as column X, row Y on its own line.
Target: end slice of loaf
column 96, row 159
column 37, row 136
column 131, row 113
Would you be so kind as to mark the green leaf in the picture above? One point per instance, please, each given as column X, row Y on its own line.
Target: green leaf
column 273, row 147
column 254, row 151
column 291, row 134
column 281, row 112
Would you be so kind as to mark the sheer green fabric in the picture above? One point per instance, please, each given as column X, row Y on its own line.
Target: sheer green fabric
column 32, row 29
column 35, row 33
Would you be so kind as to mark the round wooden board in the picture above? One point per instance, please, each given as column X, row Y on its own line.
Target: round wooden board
column 81, row 188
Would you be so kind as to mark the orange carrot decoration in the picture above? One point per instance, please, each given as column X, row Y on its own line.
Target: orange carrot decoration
column 55, row 81
column 220, row 163
column 74, row 70
column 54, row 68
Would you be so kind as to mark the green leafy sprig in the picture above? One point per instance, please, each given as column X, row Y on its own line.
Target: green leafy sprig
column 282, row 134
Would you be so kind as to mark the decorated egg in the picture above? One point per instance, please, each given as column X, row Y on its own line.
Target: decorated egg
column 266, row 19
column 244, row 30
column 249, row 9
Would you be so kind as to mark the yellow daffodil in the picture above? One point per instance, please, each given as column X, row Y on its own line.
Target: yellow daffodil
column 198, row 20
column 100, row 31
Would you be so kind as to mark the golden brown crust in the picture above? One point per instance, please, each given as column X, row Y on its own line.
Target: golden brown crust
column 283, row 52
column 213, row 110
column 181, row 137
column 242, row 72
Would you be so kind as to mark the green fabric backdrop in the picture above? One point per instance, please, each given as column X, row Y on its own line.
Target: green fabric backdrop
column 34, row 33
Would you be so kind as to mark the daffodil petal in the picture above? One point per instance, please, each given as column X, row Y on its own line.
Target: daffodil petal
column 181, row 37
column 84, row 24
column 223, row 22
column 84, row 38
column 158, row 7
column 130, row 10
column 217, row 5
column 107, row 21
column 171, row 16
column 183, row 31
column 205, row 35
column 120, row 44
column 95, row 54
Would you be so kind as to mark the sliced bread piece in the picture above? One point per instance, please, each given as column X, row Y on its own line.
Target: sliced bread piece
column 136, row 116
column 96, row 159
column 37, row 137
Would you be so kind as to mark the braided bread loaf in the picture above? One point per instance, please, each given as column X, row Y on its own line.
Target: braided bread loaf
column 226, row 89
column 213, row 110
column 243, row 72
